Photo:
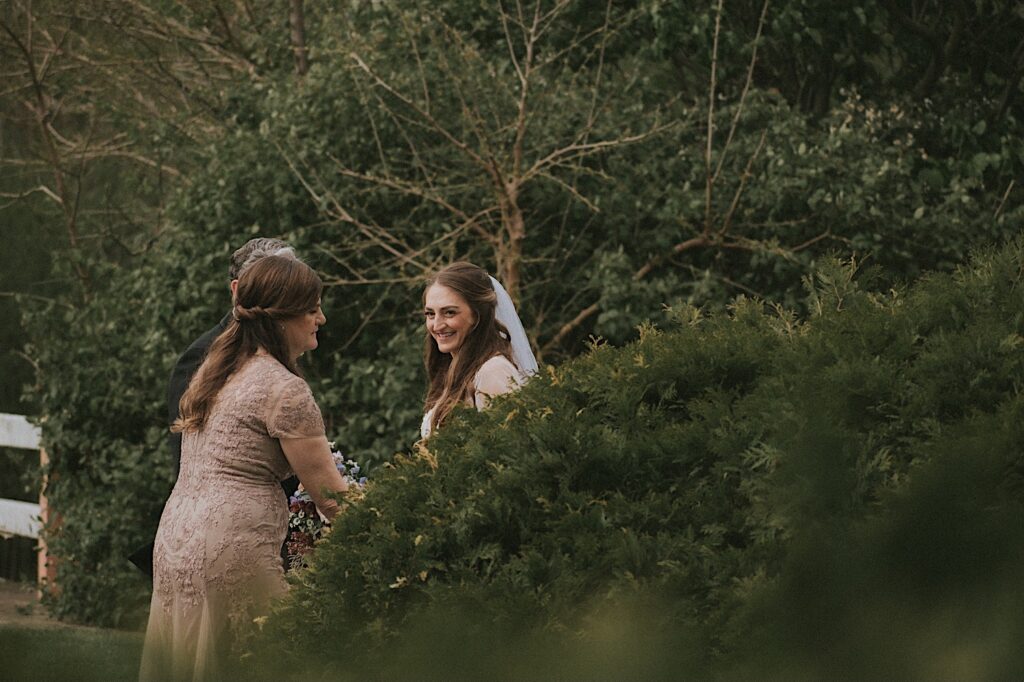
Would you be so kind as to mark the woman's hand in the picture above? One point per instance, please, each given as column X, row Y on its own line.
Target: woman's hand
column 310, row 459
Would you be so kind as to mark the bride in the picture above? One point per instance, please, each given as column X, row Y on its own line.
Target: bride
column 475, row 346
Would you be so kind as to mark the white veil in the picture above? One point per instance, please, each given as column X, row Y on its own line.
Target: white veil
column 505, row 312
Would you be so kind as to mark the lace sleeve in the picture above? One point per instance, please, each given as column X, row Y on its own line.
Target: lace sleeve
column 294, row 413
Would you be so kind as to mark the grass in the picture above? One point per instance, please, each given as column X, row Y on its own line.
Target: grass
column 62, row 654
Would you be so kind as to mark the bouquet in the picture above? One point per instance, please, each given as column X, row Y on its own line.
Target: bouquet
column 306, row 524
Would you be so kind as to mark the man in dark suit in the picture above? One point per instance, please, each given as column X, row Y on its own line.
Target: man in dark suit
column 189, row 362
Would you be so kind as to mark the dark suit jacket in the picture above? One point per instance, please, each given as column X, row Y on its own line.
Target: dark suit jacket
column 181, row 375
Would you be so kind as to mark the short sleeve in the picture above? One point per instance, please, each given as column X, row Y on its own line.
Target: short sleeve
column 294, row 413
column 495, row 377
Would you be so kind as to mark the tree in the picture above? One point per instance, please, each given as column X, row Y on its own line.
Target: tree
column 604, row 163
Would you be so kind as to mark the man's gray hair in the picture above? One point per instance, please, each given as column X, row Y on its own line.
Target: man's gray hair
column 255, row 249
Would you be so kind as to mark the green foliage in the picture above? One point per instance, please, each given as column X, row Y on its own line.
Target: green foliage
column 905, row 185
column 812, row 50
column 109, row 470
column 56, row 654
column 24, row 267
column 778, row 488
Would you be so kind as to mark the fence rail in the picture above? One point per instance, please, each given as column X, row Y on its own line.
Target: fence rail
column 26, row 519
column 19, row 518
column 16, row 517
column 17, row 432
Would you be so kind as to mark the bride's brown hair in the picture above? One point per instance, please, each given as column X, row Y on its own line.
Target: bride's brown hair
column 450, row 381
column 273, row 289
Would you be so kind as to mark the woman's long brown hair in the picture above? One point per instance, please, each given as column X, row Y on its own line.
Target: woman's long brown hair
column 273, row 289
column 450, row 381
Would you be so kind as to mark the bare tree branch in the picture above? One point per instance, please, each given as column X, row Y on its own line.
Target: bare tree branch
column 710, row 181
column 425, row 115
column 569, row 327
column 744, row 177
column 378, row 236
column 42, row 110
column 43, row 189
column 743, row 95
column 1002, row 202
column 574, row 151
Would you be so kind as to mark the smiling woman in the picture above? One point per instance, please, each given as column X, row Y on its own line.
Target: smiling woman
column 449, row 317
column 468, row 351
column 300, row 331
column 248, row 420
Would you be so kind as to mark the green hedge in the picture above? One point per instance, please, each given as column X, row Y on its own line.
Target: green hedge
column 837, row 497
column 911, row 184
column 110, row 469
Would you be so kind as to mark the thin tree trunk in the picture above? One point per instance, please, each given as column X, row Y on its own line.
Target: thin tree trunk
column 510, row 253
column 297, row 19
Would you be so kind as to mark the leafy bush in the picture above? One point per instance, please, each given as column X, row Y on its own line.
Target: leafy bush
column 778, row 489
column 370, row 191
column 109, row 469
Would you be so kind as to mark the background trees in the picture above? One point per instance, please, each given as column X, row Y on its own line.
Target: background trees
column 605, row 160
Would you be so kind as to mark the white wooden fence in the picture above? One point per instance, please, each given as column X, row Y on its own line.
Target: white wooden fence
column 17, row 517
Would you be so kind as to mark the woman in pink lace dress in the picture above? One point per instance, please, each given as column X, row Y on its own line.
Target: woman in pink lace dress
column 248, row 420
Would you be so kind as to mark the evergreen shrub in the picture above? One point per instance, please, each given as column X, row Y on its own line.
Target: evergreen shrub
column 834, row 497
column 910, row 183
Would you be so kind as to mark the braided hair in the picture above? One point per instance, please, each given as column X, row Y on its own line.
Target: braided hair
column 271, row 290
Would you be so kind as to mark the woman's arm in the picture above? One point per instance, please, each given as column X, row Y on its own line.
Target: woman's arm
column 310, row 459
column 496, row 376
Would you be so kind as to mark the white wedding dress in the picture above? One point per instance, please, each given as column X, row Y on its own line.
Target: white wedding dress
column 496, row 376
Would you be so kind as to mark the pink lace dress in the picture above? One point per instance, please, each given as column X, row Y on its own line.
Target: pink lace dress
column 217, row 557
